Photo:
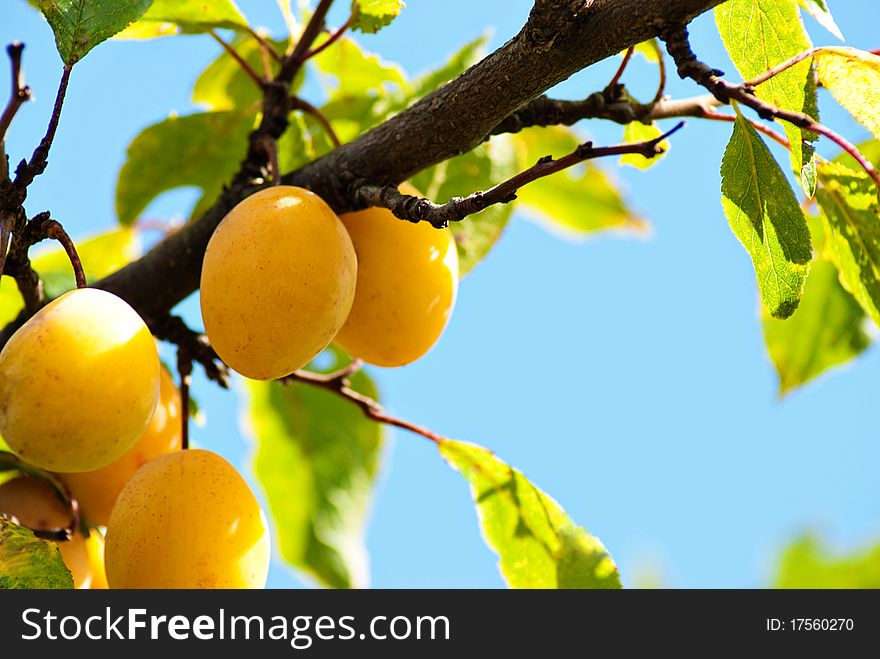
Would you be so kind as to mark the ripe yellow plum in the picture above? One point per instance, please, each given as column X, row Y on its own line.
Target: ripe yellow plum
column 78, row 382
column 96, row 491
column 277, row 283
column 406, row 287
column 37, row 506
column 187, row 519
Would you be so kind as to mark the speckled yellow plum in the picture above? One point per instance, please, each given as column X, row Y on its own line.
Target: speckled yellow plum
column 277, row 282
column 36, row 505
column 96, row 491
column 78, row 382
column 187, row 519
column 406, row 287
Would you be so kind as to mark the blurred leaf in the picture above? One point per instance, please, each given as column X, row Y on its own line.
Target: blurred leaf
column 853, row 78
column 224, row 85
column 202, row 150
column 869, row 148
column 168, row 17
column 827, row 329
column 649, row 50
column 80, row 25
column 636, row 131
column 764, row 214
column 818, row 9
column 758, row 35
column 577, row 202
column 537, row 544
column 480, row 169
column 317, row 458
column 848, row 200
column 100, row 256
column 372, row 15
column 806, row 563
column 28, row 562
column 357, row 71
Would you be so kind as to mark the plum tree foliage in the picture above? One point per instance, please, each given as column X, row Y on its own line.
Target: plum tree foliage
column 336, row 228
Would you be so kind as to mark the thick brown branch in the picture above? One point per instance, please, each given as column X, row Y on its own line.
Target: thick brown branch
column 560, row 38
column 416, row 209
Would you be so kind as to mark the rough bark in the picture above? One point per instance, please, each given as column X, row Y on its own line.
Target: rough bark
column 560, row 38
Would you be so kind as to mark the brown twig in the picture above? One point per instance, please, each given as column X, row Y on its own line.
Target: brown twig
column 53, row 229
column 757, row 125
column 26, row 173
column 334, row 37
column 690, row 67
column 174, row 330
column 661, row 85
column 291, row 63
column 779, row 68
column 264, row 44
column 416, row 209
column 184, row 369
column 253, row 75
column 21, row 93
column 297, row 103
column 620, row 69
column 338, row 382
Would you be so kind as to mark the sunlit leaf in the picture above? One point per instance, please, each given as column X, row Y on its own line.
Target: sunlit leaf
column 853, row 78
column 80, row 25
column 28, row 562
column 537, row 544
column 168, row 17
column 636, row 131
column 356, row 71
column 818, row 9
column 807, row 563
column 764, row 214
column 372, row 15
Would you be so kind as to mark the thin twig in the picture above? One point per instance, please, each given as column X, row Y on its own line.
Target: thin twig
column 331, row 40
column 26, row 173
column 297, row 103
column 779, row 68
column 174, row 330
column 416, row 209
column 291, row 63
column 622, row 67
column 264, row 44
column 253, row 75
column 690, row 67
column 661, row 85
column 184, row 369
column 20, row 95
column 53, row 229
column 339, row 384
column 757, row 125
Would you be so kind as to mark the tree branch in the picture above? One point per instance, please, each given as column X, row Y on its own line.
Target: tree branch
column 416, row 209
column 196, row 347
column 678, row 45
column 21, row 93
column 560, row 38
column 291, row 64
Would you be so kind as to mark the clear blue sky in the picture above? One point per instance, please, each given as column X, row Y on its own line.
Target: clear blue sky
column 626, row 377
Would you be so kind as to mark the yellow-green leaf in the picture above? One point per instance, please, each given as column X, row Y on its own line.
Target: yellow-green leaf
column 853, row 78
column 808, row 563
column 764, row 214
column 848, row 199
column 818, row 9
column 169, row 17
column 636, row 131
column 372, row 15
column 537, row 544
column 28, row 562
column 827, row 329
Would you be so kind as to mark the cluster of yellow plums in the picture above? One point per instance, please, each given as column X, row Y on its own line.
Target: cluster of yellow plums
column 83, row 394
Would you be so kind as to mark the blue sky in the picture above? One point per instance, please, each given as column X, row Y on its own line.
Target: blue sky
column 626, row 377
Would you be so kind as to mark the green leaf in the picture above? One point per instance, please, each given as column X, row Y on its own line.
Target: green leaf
column 28, row 562
column 224, row 85
column 168, row 17
column 636, row 131
column 100, row 256
column 317, row 458
column 357, row 71
column 537, row 544
column 853, row 78
column 807, row 563
column 202, row 150
column 827, row 329
column 818, row 9
column 370, row 16
column 758, row 35
column 80, row 25
column 764, row 214
column 577, row 202
column 848, row 200
column 869, row 148
column 480, row 169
